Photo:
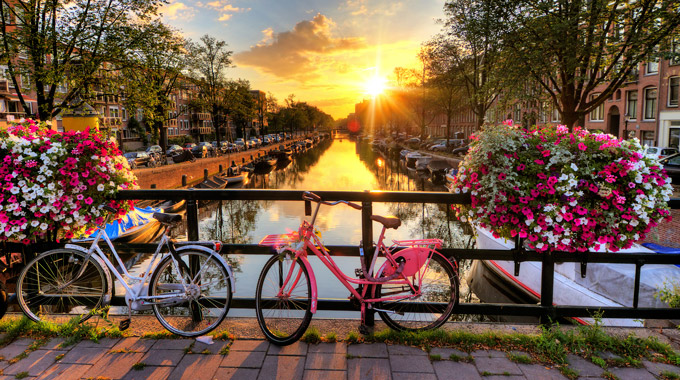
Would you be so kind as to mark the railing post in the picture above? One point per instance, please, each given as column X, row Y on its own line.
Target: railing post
column 367, row 245
column 192, row 219
column 205, row 174
column 547, row 283
column 184, row 180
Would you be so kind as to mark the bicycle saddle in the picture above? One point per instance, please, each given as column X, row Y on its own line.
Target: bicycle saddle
column 167, row 218
column 387, row 221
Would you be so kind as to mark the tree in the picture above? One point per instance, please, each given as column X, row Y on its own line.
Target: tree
column 239, row 104
column 209, row 60
column 472, row 39
column 150, row 72
column 570, row 47
column 59, row 46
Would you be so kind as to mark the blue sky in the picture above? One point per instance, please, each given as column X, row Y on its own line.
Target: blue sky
column 322, row 51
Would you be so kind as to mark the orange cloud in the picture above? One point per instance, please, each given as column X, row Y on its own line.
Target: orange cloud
column 293, row 54
column 177, row 10
column 226, row 10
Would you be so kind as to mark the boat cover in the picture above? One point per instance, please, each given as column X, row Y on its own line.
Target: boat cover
column 136, row 217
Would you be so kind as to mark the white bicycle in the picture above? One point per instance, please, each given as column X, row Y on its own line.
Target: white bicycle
column 188, row 286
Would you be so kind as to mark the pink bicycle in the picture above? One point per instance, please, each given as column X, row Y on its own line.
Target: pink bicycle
column 415, row 288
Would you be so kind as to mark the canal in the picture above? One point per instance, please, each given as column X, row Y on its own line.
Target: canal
column 333, row 164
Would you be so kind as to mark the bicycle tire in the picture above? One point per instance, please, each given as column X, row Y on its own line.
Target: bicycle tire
column 415, row 314
column 203, row 311
column 278, row 318
column 39, row 281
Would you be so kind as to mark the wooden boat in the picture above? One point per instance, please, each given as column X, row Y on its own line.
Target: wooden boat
column 605, row 285
column 403, row 153
column 137, row 226
column 438, row 170
column 412, row 158
column 264, row 163
column 232, row 180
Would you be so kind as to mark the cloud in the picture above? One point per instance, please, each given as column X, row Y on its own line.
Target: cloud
column 295, row 54
column 224, row 9
column 175, row 10
column 363, row 8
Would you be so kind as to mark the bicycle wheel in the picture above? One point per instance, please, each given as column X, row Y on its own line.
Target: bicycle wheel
column 47, row 288
column 283, row 310
column 200, row 307
column 439, row 295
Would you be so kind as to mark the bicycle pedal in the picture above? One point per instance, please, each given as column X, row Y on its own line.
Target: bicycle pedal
column 124, row 324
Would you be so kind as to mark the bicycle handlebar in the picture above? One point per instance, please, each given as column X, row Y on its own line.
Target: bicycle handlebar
column 309, row 196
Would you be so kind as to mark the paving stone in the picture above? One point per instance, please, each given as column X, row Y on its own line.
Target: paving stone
column 9, row 352
column 35, row 363
column 446, row 353
column 224, row 373
column 496, row 366
column 314, row 374
column 249, row 345
column 607, row 355
column 397, row 349
column 297, row 348
column 65, row 372
column 537, row 371
column 134, row 344
column 23, row 342
column 488, row 354
column 114, row 366
column 368, row 368
column 196, row 367
column 420, row 364
column 657, row 368
column 413, row 376
column 329, row 348
column 149, row 373
column 243, row 359
column 210, row 349
column 584, row 367
column 83, row 355
column 163, row 357
column 503, row 377
column 456, row 370
column 104, row 342
column 282, row 367
column 54, row 344
column 326, row 361
column 172, row 344
column 632, row 374
column 373, row 350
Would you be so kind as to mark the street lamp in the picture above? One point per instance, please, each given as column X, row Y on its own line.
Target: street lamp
column 626, row 117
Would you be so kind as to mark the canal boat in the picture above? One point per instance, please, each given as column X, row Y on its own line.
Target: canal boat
column 604, row 285
column 137, row 226
column 438, row 169
column 412, row 157
column 264, row 163
column 231, row 180
column 422, row 162
column 403, row 153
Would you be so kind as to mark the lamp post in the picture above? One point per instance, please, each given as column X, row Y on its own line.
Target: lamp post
column 626, row 117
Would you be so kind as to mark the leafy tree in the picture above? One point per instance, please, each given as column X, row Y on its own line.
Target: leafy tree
column 471, row 39
column 239, row 104
column 150, row 72
column 59, row 46
column 570, row 47
column 209, row 61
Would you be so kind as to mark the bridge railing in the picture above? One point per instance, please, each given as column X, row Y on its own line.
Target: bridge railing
column 545, row 310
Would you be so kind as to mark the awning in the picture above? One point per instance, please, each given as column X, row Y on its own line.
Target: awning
column 15, row 98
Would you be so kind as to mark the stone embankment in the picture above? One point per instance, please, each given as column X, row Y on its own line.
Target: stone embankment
column 170, row 176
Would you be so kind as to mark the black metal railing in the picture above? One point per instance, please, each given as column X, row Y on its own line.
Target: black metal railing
column 546, row 311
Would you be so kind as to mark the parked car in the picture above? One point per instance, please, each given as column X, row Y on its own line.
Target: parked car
column 202, row 150
column 413, row 141
column 154, row 149
column 255, row 142
column 173, row 149
column 440, row 145
column 672, row 166
column 461, row 151
column 659, row 153
column 136, row 159
column 266, row 140
column 240, row 145
column 189, row 146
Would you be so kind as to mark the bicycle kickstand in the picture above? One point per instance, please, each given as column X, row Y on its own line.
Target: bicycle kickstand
column 363, row 328
column 125, row 323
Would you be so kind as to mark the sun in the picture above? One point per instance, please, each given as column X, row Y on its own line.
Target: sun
column 375, row 86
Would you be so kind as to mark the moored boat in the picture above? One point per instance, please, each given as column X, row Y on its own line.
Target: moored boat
column 438, row 169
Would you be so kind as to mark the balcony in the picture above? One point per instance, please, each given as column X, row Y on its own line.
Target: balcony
column 110, row 121
column 12, row 116
column 200, row 116
column 4, row 86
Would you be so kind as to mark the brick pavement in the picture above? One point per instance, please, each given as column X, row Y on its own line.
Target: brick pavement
column 137, row 358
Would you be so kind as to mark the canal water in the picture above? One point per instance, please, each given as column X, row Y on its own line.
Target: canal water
column 333, row 164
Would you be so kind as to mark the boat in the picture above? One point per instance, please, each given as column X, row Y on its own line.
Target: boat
column 265, row 162
column 450, row 178
column 438, row 170
column 412, row 157
column 403, row 153
column 137, row 226
column 604, row 285
column 421, row 163
column 232, row 180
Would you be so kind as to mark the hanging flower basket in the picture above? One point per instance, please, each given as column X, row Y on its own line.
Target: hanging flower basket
column 54, row 185
column 562, row 191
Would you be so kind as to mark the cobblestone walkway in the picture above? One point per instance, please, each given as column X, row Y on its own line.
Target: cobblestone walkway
column 135, row 358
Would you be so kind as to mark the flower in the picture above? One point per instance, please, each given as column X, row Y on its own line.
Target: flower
column 587, row 189
column 42, row 186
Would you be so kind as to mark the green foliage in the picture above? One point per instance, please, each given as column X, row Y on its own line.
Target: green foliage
column 609, row 375
column 598, row 361
column 312, row 336
column 139, row 366
column 570, row 373
column 21, row 375
column 668, row 375
column 435, row 357
column 331, row 337
column 519, row 358
column 352, row 337
column 669, row 294
column 159, row 335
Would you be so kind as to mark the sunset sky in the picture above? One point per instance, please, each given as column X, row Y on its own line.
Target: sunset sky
column 324, row 52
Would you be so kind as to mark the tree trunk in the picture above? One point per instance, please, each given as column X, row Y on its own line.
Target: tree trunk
column 570, row 119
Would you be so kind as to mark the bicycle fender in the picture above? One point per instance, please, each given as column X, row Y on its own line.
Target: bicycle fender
column 219, row 257
column 105, row 269
column 415, row 258
column 312, row 280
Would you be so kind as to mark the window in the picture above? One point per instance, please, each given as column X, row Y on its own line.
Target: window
column 124, row 114
column 675, row 49
column 555, row 115
column 631, row 104
column 650, row 104
column 517, row 116
column 25, row 82
column 653, row 63
column 113, row 112
column 673, row 86
column 597, row 114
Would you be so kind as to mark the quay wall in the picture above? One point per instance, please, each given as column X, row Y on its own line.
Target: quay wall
column 170, row 176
